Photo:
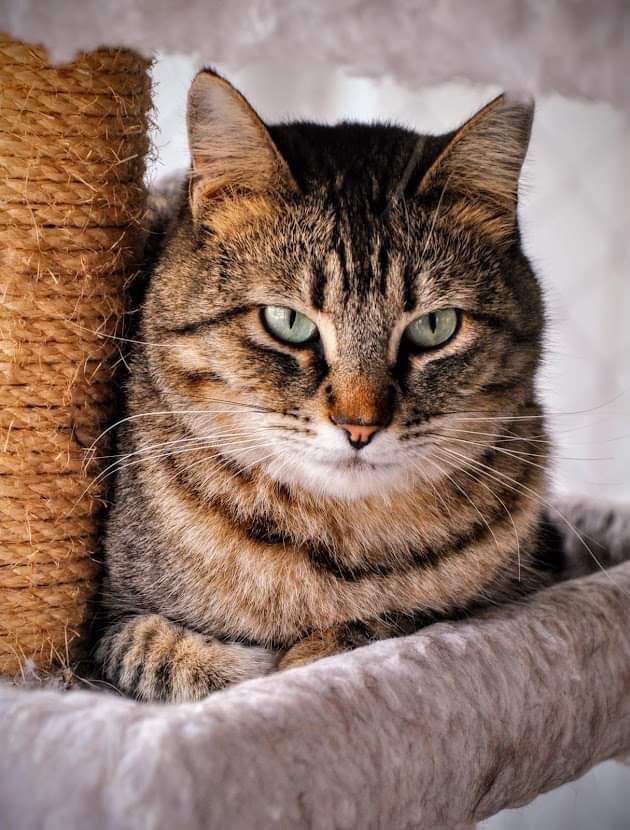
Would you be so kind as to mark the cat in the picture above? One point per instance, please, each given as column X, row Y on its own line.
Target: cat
column 332, row 433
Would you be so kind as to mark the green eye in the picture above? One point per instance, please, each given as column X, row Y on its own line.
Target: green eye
column 288, row 325
column 433, row 329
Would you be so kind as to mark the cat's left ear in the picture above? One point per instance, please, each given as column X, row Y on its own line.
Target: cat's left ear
column 232, row 153
column 478, row 171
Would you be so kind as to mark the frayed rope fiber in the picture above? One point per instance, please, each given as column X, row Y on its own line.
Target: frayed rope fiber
column 73, row 140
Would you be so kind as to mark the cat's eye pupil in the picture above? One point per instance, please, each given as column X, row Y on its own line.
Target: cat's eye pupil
column 432, row 329
column 288, row 325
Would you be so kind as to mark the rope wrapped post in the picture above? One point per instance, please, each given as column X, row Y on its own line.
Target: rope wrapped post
column 73, row 139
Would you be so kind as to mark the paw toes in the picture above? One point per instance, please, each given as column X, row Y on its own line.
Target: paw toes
column 152, row 659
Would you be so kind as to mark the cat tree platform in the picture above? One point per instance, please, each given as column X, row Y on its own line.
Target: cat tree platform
column 437, row 730
column 440, row 729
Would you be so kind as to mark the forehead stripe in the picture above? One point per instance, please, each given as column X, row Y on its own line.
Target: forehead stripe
column 319, row 279
column 383, row 265
column 337, row 240
column 409, row 287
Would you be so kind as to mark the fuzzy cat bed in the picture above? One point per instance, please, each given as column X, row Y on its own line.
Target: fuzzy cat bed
column 437, row 730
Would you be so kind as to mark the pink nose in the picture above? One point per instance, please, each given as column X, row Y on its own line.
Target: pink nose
column 359, row 434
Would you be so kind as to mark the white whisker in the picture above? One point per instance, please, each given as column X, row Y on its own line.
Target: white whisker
column 508, row 512
column 216, row 434
column 524, row 490
column 167, row 412
column 118, row 466
column 467, row 497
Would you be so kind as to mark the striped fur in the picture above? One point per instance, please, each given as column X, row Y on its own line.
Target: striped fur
column 246, row 534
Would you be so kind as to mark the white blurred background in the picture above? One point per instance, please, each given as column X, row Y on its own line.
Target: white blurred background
column 575, row 216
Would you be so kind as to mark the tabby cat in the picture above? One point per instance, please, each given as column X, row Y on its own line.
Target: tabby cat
column 333, row 434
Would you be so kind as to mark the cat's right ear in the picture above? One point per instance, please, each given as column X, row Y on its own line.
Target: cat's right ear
column 479, row 169
column 231, row 150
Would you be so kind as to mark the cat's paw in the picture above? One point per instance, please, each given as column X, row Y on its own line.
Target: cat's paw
column 311, row 648
column 253, row 661
column 153, row 659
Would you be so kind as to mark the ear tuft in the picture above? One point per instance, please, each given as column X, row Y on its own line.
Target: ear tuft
column 479, row 169
column 231, row 150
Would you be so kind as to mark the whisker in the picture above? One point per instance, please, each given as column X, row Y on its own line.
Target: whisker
column 523, row 455
column 468, row 499
column 540, row 438
column 434, row 488
column 535, row 437
column 517, row 454
column 218, row 463
column 166, row 412
column 513, row 484
column 399, row 190
column 546, row 414
column 508, row 513
column 434, row 219
column 241, row 469
column 196, row 440
column 218, row 434
column 118, row 337
column 117, row 466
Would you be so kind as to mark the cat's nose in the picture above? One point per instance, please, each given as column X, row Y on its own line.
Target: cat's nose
column 359, row 435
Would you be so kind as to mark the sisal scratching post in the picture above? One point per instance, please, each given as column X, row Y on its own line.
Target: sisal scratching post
column 72, row 144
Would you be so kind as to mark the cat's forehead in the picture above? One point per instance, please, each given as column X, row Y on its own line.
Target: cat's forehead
column 355, row 237
column 351, row 161
column 341, row 253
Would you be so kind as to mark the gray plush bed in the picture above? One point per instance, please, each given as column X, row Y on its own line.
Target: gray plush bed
column 436, row 730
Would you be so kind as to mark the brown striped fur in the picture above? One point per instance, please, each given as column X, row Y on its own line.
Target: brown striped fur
column 246, row 533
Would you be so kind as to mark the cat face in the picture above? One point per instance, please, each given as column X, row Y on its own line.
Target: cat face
column 339, row 303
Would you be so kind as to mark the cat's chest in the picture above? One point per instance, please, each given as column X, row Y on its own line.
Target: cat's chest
column 229, row 583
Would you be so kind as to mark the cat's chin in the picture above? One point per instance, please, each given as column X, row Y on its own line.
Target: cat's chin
column 345, row 480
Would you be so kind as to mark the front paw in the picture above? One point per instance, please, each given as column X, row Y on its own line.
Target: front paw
column 311, row 648
column 153, row 659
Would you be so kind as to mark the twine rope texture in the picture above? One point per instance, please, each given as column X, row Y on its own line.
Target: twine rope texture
column 73, row 140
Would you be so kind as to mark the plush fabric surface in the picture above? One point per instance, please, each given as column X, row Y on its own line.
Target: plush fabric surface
column 576, row 48
column 435, row 730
